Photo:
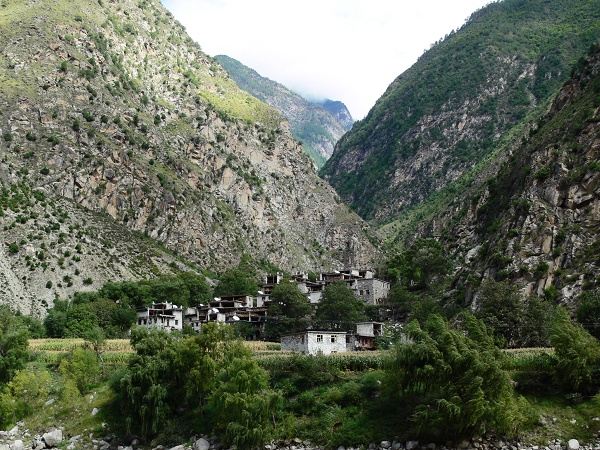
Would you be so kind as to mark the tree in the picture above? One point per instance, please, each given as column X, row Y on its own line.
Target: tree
column 236, row 282
column 95, row 340
column 198, row 288
column 82, row 368
column 577, row 351
column 242, row 403
column 13, row 344
column 399, row 302
column 56, row 319
column 80, row 318
column 453, row 379
column 170, row 372
column 501, row 307
column 339, row 309
column 288, row 311
column 239, row 280
column 24, row 394
column 419, row 264
column 538, row 313
column 588, row 312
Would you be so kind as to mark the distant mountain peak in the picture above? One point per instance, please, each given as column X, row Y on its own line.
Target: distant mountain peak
column 316, row 125
column 339, row 110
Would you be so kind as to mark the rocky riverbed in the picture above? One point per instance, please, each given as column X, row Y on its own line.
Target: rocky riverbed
column 20, row 438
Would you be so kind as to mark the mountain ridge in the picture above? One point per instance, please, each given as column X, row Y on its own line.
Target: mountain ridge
column 447, row 112
column 111, row 108
column 311, row 122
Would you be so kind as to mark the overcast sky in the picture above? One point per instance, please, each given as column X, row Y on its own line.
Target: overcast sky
column 348, row 50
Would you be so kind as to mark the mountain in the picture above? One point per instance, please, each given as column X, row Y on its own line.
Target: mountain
column 318, row 125
column 339, row 111
column 531, row 216
column 126, row 152
column 452, row 109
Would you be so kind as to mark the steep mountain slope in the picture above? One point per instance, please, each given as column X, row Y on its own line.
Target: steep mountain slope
column 447, row 112
column 533, row 217
column 115, row 126
column 537, row 221
column 316, row 125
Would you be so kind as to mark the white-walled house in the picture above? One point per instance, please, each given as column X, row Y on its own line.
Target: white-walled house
column 164, row 316
column 315, row 342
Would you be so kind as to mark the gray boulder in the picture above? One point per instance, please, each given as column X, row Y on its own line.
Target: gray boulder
column 18, row 445
column 412, row 445
column 52, row 438
column 573, row 444
column 201, row 444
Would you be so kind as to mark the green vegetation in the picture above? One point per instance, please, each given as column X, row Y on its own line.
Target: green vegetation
column 453, row 382
column 453, row 71
column 288, row 311
column 309, row 122
column 112, row 308
column 439, row 382
column 240, row 280
column 339, row 308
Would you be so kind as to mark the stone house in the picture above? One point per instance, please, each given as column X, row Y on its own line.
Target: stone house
column 371, row 290
column 366, row 332
column 328, row 342
column 165, row 316
column 316, row 342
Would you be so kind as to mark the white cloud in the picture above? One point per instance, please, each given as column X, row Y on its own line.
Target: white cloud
column 348, row 50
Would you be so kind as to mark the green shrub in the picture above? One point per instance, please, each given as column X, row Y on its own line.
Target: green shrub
column 83, row 367
column 588, row 312
column 578, row 354
column 453, row 380
column 25, row 394
column 7, row 137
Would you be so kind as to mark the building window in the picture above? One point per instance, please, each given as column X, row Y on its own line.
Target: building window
column 177, row 322
column 333, row 338
column 302, row 339
column 368, row 292
column 361, row 292
column 319, row 338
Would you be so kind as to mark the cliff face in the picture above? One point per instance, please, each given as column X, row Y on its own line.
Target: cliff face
column 318, row 126
column 119, row 135
column 533, row 217
column 450, row 110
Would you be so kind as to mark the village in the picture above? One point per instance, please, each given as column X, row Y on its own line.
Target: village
column 253, row 311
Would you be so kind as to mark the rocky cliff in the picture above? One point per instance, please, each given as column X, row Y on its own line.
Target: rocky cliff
column 318, row 125
column 126, row 150
column 451, row 110
column 533, row 216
